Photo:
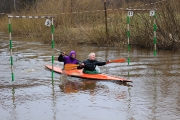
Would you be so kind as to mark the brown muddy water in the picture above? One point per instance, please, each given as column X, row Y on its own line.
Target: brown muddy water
column 154, row 93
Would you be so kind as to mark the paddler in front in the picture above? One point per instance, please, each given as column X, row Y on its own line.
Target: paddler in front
column 90, row 64
column 71, row 59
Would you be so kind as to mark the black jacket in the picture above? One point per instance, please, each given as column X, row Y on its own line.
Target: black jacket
column 90, row 65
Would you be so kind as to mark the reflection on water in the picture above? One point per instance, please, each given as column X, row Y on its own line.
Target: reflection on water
column 69, row 86
column 13, row 112
column 154, row 93
column 54, row 108
column 77, row 86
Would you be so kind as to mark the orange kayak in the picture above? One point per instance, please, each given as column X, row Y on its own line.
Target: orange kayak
column 80, row 74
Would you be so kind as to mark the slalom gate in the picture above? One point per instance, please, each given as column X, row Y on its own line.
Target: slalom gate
column 48, row 22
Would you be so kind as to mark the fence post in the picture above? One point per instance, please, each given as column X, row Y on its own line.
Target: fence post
column 105, row 13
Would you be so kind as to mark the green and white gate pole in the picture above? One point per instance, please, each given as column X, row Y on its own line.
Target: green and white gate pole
column 128, row 35
column 152, row 13
column 52, row 30
column 130, row 13
column 155, row 38
column 10, row 47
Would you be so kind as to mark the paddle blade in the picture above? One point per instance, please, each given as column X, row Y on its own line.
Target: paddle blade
column 70, row 66
column 118, row 60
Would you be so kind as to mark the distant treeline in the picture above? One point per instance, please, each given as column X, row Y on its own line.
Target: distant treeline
column 9, row 6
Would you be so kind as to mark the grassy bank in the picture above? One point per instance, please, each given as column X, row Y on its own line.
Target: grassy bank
column 83, row 22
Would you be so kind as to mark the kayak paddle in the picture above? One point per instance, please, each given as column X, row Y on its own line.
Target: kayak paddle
column 118, row 60
column 74, row 66
column 70, row 66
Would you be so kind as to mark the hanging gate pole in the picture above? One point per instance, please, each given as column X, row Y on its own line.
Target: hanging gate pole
column 10, row 47
column 128, row 35
column 52, row 30
column 155, row 38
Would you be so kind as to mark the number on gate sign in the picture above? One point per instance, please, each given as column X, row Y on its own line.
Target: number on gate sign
column 152, row 13
column 48, row 22
column 130, row 13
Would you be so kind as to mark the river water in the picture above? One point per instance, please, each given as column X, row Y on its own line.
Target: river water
column 154, row 93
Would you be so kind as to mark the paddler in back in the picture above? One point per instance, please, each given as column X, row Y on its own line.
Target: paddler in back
column 71, row 59
column 90, row 64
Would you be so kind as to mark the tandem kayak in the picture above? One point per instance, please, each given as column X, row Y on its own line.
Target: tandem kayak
column 80, row 74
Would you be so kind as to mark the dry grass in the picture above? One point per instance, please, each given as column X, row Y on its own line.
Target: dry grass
column 82, row 23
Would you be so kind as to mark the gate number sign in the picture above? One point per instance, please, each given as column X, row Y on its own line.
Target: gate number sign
column 152, row 13
column 48, row 22
column 130, row 13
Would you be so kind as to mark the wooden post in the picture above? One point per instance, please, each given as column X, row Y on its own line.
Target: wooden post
column 105, row 13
